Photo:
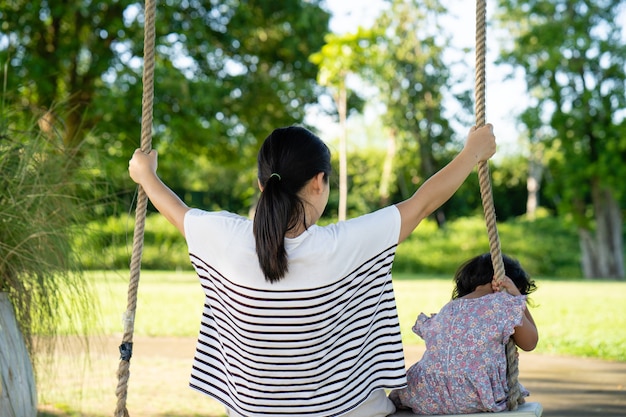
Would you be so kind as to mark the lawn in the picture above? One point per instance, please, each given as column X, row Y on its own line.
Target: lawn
column 581, row 318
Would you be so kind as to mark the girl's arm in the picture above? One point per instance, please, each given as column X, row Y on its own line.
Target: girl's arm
column 525, row 335
column 480, row 146
column 142, row 169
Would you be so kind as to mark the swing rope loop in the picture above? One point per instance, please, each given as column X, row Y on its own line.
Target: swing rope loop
column 514, row 395
column 147, row 103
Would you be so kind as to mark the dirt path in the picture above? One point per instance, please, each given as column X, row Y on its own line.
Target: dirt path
column 565, row 387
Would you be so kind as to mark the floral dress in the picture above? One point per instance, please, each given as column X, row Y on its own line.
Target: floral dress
column 463, row 369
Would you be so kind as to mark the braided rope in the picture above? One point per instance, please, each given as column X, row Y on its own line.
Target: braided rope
column 514, row 398
column 123, row 372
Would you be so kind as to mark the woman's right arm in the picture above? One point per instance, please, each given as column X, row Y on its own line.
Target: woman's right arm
column 142, row 169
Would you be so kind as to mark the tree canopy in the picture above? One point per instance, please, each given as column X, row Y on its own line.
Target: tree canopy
column 227, row 73
column 574, row 60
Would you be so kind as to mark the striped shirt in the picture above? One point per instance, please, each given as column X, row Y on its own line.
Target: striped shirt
column 317, row 343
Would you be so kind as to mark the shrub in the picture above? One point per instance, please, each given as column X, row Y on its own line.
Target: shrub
column 39, row 215
column 546, row 246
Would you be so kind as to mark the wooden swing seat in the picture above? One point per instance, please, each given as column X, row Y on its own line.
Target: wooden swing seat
column 524, row 410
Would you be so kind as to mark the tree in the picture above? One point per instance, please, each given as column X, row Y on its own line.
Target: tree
column 340, row 57
column 227, row 73
column 412, row 78
column 56, row 54
column 573, row 55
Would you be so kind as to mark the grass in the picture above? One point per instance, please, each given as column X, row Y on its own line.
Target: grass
column 580, row 318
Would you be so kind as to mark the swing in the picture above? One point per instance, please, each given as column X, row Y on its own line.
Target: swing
column 515, row 402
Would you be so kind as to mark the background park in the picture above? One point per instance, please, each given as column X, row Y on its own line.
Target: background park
column 393, row 98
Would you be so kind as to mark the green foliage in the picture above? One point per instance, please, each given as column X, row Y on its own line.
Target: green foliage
column 364, row 180
column 56, row 53
column 574, row 60
column 39, row 215
column 546, row 246
column 226, row 74
column 108, row 245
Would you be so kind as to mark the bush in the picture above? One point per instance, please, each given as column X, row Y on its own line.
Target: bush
column 108, row 244
column 546, row 246
column 38, row 216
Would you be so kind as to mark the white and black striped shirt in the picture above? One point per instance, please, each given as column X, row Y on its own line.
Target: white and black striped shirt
column 318, row 342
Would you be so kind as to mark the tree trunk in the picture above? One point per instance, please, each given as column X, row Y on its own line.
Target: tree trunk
column 18, row 395
column 428, row 169
column 603, row 254
column 385, row 178
column 533, row 185
column 342, row 105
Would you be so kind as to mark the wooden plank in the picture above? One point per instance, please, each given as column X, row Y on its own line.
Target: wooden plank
column 525, row 410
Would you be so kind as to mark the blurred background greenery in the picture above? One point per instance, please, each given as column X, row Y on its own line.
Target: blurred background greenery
column 227, row 74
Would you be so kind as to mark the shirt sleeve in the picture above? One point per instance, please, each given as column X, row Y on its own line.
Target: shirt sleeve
column 421, row 321
column 209, row 233
column 511, row 313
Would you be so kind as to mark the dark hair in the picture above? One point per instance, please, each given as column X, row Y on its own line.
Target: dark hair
column 287, row 160
column 479, row 271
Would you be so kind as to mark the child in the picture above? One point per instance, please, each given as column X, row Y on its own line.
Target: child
column 463, row 369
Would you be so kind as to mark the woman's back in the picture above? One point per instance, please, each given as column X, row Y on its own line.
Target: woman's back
column 318, row 342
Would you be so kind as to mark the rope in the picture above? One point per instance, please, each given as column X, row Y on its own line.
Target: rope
column 123, row 372
column 514, row 397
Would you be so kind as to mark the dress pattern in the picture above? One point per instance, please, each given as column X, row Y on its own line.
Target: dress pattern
column 463, row 369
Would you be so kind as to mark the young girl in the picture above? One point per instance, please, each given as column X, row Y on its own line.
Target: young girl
column 463, row 369
column 298, row 319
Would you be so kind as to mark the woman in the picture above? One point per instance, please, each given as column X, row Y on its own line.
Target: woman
column 300, row 319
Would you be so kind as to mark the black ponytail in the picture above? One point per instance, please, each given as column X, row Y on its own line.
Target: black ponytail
column 287, row 160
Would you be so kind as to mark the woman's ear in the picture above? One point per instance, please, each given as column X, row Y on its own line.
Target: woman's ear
column 258, row 181
column 319, row 182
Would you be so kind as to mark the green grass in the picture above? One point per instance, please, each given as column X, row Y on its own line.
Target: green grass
column 581, row 318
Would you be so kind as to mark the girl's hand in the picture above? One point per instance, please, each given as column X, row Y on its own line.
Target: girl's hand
column 142, row 165
column 481, row 142
column 507, row 285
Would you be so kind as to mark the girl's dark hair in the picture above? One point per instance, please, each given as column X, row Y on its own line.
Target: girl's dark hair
column 479, row 271
column 287, row 160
